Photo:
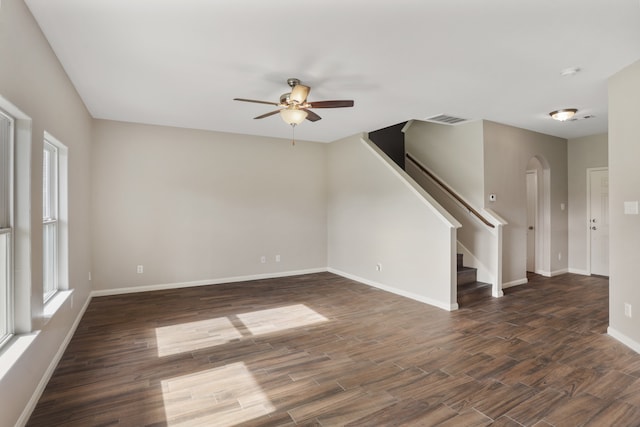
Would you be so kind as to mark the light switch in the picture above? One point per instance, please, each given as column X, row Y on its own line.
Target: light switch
column 631, row 208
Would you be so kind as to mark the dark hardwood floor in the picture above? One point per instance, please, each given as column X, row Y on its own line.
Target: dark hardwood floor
column 326, row 351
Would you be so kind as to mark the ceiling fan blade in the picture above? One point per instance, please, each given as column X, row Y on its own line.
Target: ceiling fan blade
column 331, row 104
column 256, row 101
column 299, row 93
column 311, row 116
column 271, row 113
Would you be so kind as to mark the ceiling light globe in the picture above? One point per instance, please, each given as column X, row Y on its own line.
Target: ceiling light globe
column 293, row 116
column 563, row 115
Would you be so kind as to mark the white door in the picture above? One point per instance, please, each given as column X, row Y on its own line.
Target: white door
column 599, row 221
column 532, row 208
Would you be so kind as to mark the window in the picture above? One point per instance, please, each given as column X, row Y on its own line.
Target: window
column 50, row 218
column 6, row 226
column 54, row 217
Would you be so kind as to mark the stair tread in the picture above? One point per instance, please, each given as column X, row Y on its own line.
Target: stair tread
column 472, row 287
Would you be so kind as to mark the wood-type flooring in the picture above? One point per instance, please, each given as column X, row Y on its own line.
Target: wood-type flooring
column 322, row 350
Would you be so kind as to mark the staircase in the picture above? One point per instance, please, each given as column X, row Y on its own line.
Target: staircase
column 469, row 289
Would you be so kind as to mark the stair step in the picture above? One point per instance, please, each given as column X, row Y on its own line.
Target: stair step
column 472, row 292
column 467, row 275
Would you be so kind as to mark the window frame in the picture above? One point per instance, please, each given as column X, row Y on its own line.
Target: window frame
column 7, row 326
column 50, row 219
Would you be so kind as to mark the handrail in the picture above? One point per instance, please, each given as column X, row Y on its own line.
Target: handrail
column 452, row 193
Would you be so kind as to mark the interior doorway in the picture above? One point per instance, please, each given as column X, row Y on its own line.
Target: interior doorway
column 532, row 218
column 598, row 215
column 538, row 216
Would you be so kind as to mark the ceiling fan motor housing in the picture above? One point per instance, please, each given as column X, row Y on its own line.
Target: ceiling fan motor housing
column 285, row 99
column 292, row 82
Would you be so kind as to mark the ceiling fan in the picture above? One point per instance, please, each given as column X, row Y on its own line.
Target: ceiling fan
column 294, row 106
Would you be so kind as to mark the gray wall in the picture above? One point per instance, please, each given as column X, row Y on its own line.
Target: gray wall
column 624, row 185
column 34, row 82
column 483, row 157
column 583, row 153
column 453, row 153
column 377, row 215
column 197, row 206
column 507, row 151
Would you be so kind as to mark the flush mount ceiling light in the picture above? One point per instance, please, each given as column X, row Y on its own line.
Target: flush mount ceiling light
column 564, row 114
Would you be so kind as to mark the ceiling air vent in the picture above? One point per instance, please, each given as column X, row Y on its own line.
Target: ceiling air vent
column 446, row 119
column 574, row 118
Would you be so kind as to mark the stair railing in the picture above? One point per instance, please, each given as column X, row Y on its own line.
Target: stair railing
column 450, row 191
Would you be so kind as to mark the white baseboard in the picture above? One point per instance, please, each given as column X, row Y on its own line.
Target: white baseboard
column 515, row 283
column 579, row 271
column 546, row 273
column 559, row 272
column 396, row 291
column 234, row 279
column 633, row 345
column 31, row 405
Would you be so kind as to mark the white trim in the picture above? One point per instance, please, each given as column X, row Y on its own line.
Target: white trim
column 8, row 205
column 579, row 271
column 515, row 283
column 633, row 345
column 396, row 291
column 406, row 126
column 533, row 222
column 494, row 217
column 165, row 286
column 22, row 309
column 54, row 303
column 552, row 273
column 31, row 405
column 589, row 171
column 61, row 212
column 559, row 272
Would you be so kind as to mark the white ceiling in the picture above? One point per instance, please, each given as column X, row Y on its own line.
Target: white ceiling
column 181, row 62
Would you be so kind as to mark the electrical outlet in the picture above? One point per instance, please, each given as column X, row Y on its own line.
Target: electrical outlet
column 263, row 259
column 277, row 258
column 559, row 256
column 140, row 269
column 627, row 310
column 89, row 275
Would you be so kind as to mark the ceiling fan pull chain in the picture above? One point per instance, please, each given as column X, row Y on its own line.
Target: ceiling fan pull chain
column 293, row 134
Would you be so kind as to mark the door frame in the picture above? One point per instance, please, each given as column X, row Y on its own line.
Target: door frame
column 535, row 222
column 588, row 219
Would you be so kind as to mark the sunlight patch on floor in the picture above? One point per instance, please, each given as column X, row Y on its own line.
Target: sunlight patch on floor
column 186, row 337
column 281, row 318
column 191, row 336
column 224, row 396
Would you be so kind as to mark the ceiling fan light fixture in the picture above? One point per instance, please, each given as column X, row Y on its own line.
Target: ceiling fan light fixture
column 293, row 116
column 564, row 114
